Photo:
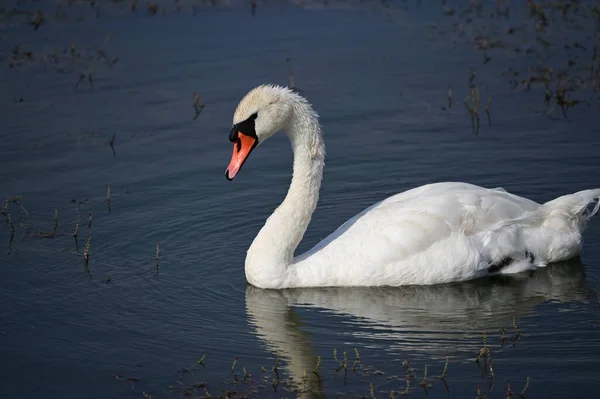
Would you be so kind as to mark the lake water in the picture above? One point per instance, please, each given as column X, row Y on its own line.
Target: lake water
column 379, row 78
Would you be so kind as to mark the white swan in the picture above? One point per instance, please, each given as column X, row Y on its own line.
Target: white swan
column 432, row 234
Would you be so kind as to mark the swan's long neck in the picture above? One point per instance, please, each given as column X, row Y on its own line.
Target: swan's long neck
column 272, row 251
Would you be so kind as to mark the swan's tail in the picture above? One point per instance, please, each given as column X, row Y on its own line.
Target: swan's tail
column 550, row 233
column 577, row 205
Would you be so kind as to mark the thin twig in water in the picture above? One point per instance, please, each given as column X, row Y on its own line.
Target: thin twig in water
column 111, row 142
column 276, row 366
column 317, row 367
column 503, row 337
column 357, row 361
column 86, row 256
column 75, row 235
column 156, row 258
column 484, row 354
column 407, row 385
column 518, row 332
column 275, row 381
column 55, row 221
column 443, row 375
column 108, row 198
column 525, row 387
column 233, row 365
column 201, row 361
column 198, row 106
column 90, row 77
column 81, row 77
column 102, row 53
column 86, row 250
column 471, row 77
column 12, row 232
column 5, row 206
column 423, row 382
column 247, row 375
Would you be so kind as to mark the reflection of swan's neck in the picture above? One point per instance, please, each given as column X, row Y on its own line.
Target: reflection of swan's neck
column 280, row 328
column 273, row 248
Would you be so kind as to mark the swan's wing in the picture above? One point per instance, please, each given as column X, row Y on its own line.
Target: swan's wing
column 414, row 236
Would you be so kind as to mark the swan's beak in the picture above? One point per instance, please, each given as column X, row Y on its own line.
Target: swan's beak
column 242, row 147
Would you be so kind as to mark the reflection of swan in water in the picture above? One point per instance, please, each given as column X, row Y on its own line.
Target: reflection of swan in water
column 428, row 319
column 278, row 325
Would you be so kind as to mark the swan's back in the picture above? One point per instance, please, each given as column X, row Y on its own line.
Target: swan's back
column 437, row 201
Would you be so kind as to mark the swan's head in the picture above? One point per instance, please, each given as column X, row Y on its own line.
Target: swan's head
column 260, row 114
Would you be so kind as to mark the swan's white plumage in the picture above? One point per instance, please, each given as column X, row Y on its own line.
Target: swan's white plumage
column 440, row 233
column 436, row 233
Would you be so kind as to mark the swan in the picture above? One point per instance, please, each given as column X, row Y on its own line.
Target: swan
column 437, row 233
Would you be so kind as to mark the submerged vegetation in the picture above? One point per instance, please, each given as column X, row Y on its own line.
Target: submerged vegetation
column 553, row 44
column 347, row 377
column 24, row 226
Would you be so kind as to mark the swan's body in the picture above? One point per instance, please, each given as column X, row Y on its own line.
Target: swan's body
column 436, row 233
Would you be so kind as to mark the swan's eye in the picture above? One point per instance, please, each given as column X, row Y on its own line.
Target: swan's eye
column 253, row 116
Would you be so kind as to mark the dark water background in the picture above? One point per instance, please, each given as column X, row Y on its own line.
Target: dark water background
column 378, row 77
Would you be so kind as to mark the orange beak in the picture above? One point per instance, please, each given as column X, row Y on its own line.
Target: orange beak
column 242, row 148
